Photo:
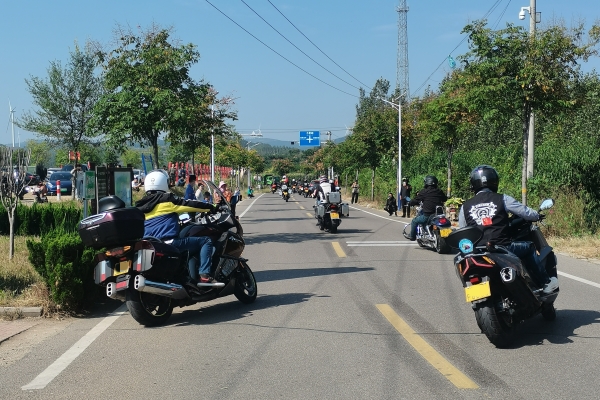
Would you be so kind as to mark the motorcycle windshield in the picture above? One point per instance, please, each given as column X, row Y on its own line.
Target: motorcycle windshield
column 212, row 194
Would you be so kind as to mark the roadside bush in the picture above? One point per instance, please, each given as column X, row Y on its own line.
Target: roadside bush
column 66, row 266
column 40, row 218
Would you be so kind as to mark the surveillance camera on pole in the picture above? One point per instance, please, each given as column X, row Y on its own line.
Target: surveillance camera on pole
column 522, row 13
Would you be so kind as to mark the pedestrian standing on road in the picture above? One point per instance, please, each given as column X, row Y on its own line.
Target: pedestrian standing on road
column 354, row 192
column 390, row 205
column 405, row 191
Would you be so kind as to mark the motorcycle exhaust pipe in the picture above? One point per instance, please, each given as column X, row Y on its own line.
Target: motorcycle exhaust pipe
column 171, row 290
column 518, row 288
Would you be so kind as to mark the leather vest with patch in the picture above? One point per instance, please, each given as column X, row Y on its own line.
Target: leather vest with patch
column 486, row 211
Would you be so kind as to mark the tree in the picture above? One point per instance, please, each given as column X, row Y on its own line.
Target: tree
column 148, row 88
column 511, row 73
column 281, row 166
column 13, row 164
column 65, row 101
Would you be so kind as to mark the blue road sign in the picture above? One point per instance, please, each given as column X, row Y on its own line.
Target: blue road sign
column 310, row 138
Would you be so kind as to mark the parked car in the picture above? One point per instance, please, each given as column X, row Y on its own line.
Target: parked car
column 50, row 171
column 66, row 185
column 69, row 167
column 30, row 179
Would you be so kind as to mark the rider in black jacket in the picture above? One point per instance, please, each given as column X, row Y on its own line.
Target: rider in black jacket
column 431, row 197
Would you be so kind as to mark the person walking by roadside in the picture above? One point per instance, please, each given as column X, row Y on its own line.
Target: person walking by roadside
column 354, row 192
column 405, row 191
column 390, row 205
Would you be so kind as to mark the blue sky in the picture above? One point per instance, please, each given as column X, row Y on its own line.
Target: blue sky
column 271, row 94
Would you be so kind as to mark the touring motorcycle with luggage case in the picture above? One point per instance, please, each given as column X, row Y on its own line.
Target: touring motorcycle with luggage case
column 497, row 284
column 153, row 276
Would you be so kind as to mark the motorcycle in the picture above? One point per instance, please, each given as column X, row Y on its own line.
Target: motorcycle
column 273, row 188
column 152, row 276
column 433, row 234
column 306, row 191
column 328, row 213
column 285, row 193
column 294, row 188
column 498, row 286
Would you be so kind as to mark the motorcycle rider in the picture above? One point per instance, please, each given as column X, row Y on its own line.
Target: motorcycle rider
column 162, row 208
column 322, row 189
column 489, row 210
column 431, row 197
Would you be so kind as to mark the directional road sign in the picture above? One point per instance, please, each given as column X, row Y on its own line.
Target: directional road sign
column 310, row 138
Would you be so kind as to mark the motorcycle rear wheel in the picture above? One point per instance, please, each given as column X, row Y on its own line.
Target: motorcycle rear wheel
column 498, row 331
column 548, row 311
column 148, row 309
column 245, row 285
column 440, row 244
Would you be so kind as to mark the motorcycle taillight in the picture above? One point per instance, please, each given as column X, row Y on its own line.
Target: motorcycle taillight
column 333, row 207
column 443, row 220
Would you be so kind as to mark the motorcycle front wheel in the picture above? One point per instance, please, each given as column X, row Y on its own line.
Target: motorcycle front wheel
column 495, row 327
column 148, row 309
column 245, row 285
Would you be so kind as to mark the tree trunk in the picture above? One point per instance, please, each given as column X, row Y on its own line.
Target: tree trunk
column 449, row 164
column 155, row 163
column 11, row 241
column 373, row 185
column 526, row 112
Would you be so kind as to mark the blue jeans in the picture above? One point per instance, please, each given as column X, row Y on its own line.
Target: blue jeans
column 526, row 252
column 200, row 246
column 419, row 219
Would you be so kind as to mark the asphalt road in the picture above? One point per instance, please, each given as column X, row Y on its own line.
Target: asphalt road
column 333, row 320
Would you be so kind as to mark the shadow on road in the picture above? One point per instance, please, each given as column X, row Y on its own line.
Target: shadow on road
column 280, row 275
column 295, row 237
column 561, row 331
column 223, row 312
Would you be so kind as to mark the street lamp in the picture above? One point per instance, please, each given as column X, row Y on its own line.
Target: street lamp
column 399, row 107
column 212, row 144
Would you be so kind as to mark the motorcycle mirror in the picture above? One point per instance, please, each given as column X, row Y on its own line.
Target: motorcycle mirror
column 546, row 204
column 184, row 217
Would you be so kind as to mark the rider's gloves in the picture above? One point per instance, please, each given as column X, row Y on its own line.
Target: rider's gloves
column 542, row 217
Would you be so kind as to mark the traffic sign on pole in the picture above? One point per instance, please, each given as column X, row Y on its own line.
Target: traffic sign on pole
column 310, row 138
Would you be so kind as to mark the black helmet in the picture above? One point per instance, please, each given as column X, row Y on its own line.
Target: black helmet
column 484, row 176
column 430, row 180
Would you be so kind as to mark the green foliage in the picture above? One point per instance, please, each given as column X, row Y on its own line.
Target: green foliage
column 65, row 101
column 38, row 219
column 66, row 266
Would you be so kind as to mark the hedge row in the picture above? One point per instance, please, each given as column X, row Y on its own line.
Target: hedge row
column 38, row 219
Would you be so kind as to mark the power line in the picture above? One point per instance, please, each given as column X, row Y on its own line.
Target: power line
column 316, row 45
column 274, row 51
column 300, row 50
column 492, row 8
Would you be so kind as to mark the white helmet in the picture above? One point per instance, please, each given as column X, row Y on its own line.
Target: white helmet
column 156, row 180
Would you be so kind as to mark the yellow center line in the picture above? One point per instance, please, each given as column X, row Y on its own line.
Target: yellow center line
column 338, row 250
column 434, row 358
column 310, row 215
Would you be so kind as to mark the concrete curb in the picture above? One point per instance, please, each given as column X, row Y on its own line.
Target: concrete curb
column 23, row 311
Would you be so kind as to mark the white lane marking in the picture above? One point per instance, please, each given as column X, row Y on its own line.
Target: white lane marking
column 70, row 355
column 251, row 204
column 381, row 244
column 380, row 216
column 576, row 278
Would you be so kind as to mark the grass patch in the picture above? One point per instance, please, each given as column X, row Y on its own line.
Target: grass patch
column 578, row 247
column 20, row 284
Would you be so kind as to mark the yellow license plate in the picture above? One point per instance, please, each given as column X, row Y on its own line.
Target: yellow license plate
column 478, row 292
column 335, row 215
column 122, row 267
column 445, row 232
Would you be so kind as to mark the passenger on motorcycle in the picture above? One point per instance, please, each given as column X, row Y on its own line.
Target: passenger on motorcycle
column 162, row 210
column 325, row 186
column 489, row 210
column 431, row 197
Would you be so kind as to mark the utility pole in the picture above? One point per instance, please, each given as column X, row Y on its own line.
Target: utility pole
column 531, row 135
column 12, row 120
column 402, row 61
